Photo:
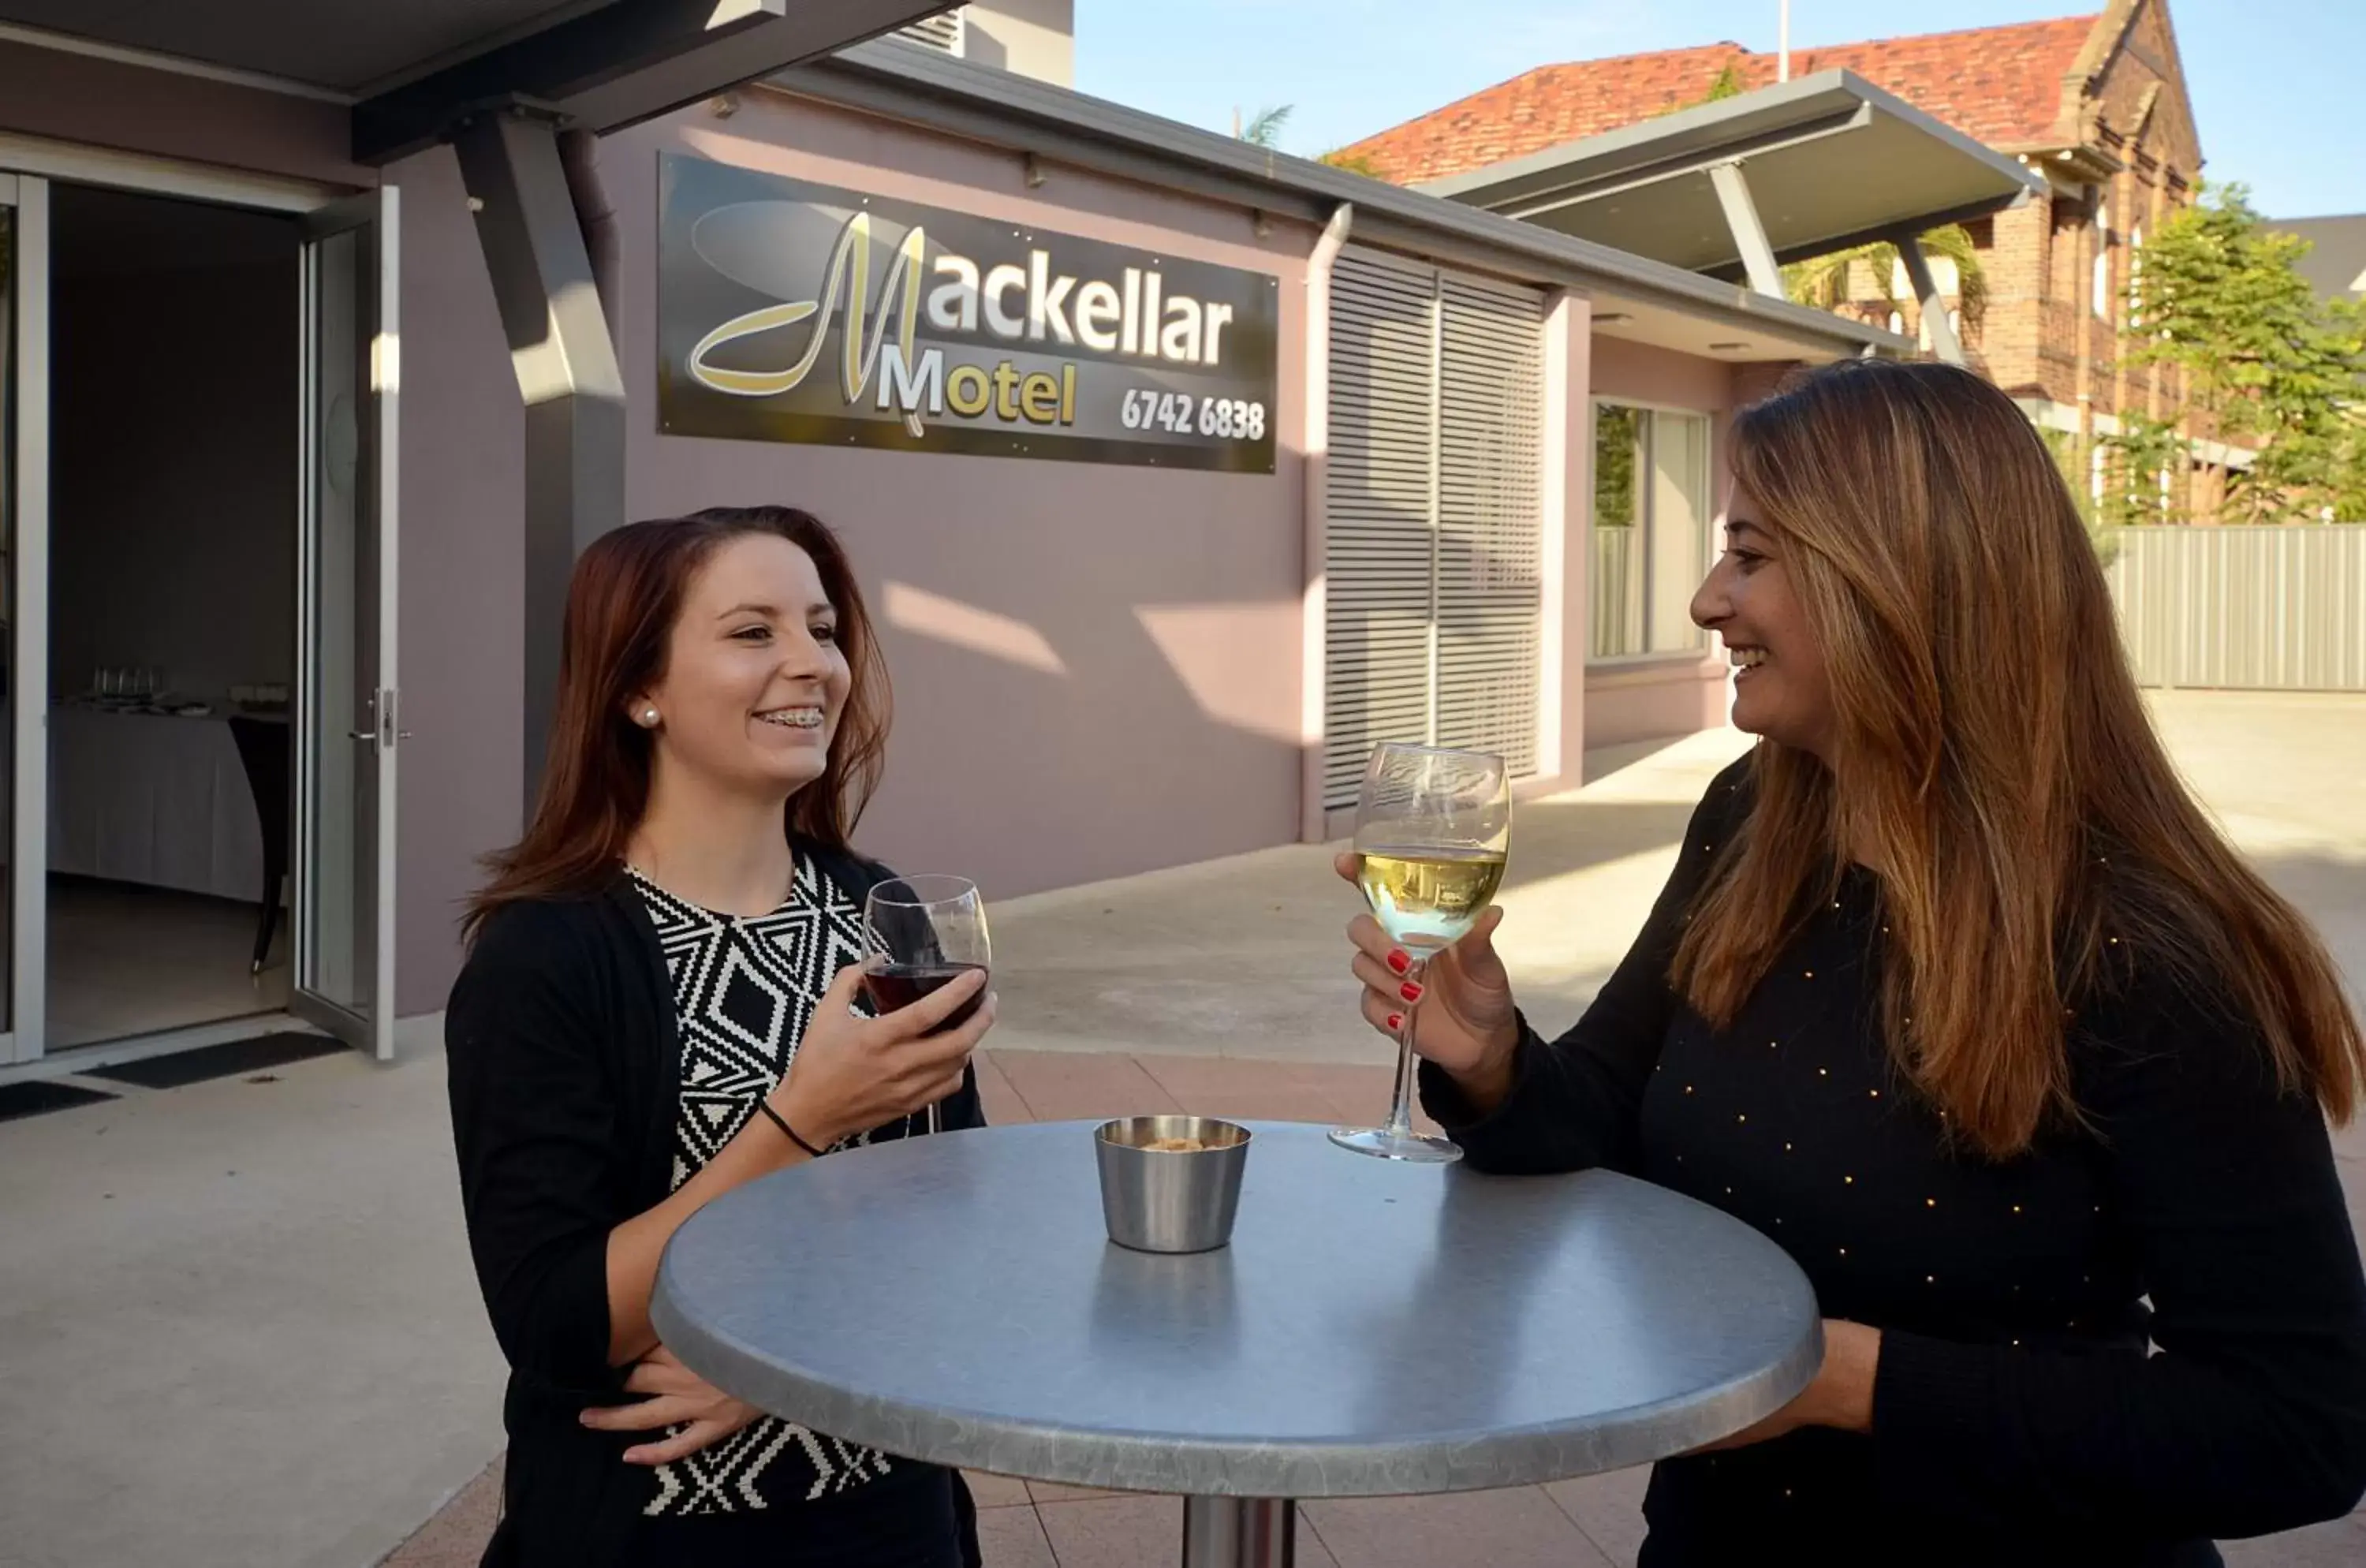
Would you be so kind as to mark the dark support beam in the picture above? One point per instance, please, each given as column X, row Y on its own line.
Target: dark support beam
column 567, row 373
column 623, row 63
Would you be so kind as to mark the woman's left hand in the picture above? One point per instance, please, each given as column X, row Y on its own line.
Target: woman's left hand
column 1840, row 1395
column 678, row 1398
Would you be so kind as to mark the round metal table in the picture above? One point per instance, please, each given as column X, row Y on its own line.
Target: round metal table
column 1373, row 1329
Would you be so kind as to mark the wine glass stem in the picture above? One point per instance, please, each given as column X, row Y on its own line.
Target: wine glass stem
column 1400, row 1107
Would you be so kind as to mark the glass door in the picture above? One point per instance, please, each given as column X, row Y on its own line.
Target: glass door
column 24, row 604
column 347, row 712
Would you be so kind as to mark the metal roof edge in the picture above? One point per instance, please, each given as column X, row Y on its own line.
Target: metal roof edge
column 1801, row 94
column 892, row 78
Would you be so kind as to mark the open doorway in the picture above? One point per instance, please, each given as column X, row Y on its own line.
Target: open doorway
column 177, row 428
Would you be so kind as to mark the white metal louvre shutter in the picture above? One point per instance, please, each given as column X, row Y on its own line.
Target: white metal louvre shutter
column 1491, row 518
column 1379, row 496
column 942, row 31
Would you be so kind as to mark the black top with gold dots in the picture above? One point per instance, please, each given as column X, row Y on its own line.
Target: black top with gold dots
column 2017, row 1417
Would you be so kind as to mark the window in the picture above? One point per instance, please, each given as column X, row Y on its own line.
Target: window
column 1434, row 515
column 2102, row 259
column 1651, row 529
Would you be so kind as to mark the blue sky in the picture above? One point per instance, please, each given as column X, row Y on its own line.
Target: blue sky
column 2276, row 92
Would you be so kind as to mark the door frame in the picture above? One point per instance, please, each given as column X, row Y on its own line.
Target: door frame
column 29, row 652
column 376, row 215
column 27, row 166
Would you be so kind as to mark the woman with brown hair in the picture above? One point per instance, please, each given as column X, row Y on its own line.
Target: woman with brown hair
column 1957, row 996
column 659, row 1006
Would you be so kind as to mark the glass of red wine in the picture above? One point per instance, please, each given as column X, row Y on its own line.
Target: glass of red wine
column 920, row 933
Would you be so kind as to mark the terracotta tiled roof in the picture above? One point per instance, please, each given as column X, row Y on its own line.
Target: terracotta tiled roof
column 2003, row 85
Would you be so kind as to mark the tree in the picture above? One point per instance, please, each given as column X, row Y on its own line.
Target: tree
column 2346, row 499
column 1362, row 164
column 2264, row 362
column 2071, row 459
column 1823, row 281
column 1728, row 84
column 1264, row 129
column 2136, row 463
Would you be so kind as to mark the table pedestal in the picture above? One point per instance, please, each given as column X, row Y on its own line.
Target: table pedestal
column 1240, row 1532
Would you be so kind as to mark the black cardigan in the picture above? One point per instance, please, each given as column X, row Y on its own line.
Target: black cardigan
column 564, row 1056
column 2017, row 1417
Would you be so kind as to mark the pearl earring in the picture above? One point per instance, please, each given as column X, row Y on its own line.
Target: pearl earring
column 648, row 718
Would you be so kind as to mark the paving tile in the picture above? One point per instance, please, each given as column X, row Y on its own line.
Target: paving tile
column 1013, row 1538
column 1114, row 1532
column 1133, row 1531
column 1053, row 1492
column 1060, row 1086
column 1608, row 1508
column 1243, row 1089
column 1516, row 1528
column 1312, row 1553
column 1264, row 1103
column 2339, row 1544
column 1187, row 1076
column 459, row 1530
column 1003, row 1105
column 995, row 1491
column 1361, row 1093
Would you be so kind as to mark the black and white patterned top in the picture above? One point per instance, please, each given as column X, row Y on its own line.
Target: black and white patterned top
column 744, row 990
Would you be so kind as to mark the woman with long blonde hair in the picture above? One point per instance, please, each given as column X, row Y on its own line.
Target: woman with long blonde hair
column 1959, row 997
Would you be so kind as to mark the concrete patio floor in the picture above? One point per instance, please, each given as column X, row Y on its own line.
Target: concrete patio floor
column 240, row 1330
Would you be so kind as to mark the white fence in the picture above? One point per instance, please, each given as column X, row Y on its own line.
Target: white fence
column 2280, row 608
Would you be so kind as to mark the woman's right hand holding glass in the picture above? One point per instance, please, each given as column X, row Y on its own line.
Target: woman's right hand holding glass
column 852, row 1074
column 1466, row 1022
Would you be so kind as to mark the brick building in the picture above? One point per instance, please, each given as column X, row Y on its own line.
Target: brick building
column 2098, row 103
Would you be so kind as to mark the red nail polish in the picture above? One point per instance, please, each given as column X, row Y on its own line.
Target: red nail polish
column 1396, row 1021
column 1400, row 962
column 1409, row 991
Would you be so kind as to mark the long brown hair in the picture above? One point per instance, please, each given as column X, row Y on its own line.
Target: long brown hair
column 621, row 606
column 1993, row 759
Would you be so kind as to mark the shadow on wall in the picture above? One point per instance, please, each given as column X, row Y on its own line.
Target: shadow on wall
column 1051, row 732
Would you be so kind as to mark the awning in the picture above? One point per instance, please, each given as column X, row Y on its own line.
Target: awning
column 1824, row 162
column 413, row 69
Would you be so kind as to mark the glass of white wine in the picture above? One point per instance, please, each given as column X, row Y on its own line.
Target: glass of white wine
column 1432, row 831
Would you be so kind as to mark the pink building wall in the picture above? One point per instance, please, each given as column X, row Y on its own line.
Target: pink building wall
column 463, row 501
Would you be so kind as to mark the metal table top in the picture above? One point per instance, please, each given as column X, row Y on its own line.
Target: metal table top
column 1372, row 1329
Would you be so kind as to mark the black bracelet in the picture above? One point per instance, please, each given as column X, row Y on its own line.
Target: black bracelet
column 777, row 1120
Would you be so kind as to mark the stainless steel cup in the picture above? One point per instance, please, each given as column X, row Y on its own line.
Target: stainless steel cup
column 1170, row 1200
